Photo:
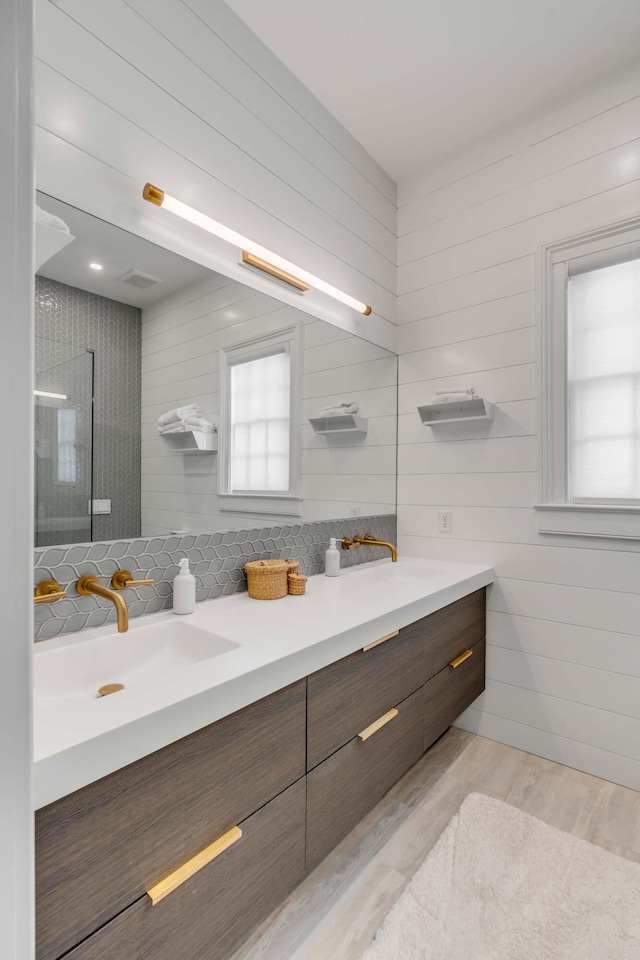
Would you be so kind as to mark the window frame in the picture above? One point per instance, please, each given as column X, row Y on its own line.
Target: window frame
column 289, row 502
column 556, row 514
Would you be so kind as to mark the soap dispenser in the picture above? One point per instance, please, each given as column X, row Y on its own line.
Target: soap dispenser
column 332, row 560
column 184, row 589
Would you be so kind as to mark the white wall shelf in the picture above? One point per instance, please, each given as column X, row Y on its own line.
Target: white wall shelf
column 192, row 442
column 344, row 423
column 433, row 414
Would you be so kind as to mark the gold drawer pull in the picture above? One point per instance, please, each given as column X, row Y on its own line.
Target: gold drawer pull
column 377, row 724
column 375, row 643
column 461, row 659
column 170, row 883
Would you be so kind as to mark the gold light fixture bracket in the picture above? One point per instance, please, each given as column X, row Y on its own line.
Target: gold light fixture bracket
column 251, row 260
column 153, row 194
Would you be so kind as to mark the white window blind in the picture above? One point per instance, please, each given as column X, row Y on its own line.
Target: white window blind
column 260, row 430
column 603, row 384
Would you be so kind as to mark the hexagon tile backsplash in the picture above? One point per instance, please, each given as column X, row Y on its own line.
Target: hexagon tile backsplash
column 216, row 560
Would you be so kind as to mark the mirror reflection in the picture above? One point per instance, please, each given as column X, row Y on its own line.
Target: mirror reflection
column 169, row 398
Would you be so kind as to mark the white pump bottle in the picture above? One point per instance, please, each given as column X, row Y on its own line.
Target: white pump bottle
column 184, row 589
column 332, row 560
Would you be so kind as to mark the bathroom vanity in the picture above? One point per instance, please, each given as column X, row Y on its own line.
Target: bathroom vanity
column 180, row 854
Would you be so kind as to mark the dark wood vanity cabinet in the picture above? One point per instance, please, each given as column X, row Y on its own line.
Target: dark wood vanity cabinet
column 408, row 682
column 99, row 849
column 293, row 773
column 346, row 696
column 211, row 913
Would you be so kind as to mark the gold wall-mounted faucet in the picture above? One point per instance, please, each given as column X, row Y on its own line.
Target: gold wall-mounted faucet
column 89, row 585
column 369, row 541
column 123, row 579
column 348, row 544
column 47, row 591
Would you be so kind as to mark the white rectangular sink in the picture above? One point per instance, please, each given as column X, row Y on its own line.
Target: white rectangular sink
column 402, row 570
column 76, row 668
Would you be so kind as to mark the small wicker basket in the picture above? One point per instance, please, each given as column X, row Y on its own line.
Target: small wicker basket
column 293, row 566
column 267, row 579
column 297, row 584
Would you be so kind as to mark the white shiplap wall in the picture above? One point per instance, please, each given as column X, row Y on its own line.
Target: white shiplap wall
column 181, row 337
column 563, row 667
column 182, row 94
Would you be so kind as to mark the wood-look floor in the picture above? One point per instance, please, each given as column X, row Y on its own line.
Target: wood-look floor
column 335, row 912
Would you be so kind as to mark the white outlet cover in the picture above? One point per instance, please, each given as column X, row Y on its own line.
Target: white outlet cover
column 445, row 521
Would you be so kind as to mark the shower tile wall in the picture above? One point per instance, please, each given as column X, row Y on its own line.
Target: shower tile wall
column 60, row 505
column 113, row 331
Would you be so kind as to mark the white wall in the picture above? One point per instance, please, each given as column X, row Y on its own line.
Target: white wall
column 563, row 668
column 182, row 94
column 16, row 511
column 181, row 337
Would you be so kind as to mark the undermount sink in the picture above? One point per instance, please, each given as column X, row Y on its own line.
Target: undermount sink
column 74, row 667
column 402, row 570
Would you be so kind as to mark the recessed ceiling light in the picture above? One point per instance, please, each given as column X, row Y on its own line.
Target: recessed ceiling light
column 96, row 266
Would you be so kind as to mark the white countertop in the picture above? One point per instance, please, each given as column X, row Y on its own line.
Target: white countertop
column 77, row 741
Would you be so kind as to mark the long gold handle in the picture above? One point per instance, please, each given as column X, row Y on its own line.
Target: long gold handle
column 461, row 659
column 377, row 724
column 162, row 889
column 47, row 591
column 375, row 643
column 123, row 579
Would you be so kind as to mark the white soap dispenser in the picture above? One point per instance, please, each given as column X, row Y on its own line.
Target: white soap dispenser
column 184, row 589
column 332, row 560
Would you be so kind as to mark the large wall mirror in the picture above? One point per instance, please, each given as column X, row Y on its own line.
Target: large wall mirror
column 128, row 333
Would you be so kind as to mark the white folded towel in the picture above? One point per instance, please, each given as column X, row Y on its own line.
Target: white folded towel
column 454, row 396
column 50, row 220
column 180, row 413
column 197, row 424
column 176, row 427
column 201, row 424
column 339, row 409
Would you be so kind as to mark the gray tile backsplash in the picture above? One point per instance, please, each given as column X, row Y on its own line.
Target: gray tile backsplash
column 216, row 560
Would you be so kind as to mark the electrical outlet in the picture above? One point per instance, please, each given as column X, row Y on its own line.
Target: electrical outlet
column 356, row 511
column 445, row 521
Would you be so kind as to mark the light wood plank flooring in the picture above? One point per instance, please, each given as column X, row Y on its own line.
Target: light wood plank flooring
column 335, row 912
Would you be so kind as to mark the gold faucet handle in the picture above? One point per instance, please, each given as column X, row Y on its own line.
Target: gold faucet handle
column 123, row 579
column 348, row 544
column 47, row 591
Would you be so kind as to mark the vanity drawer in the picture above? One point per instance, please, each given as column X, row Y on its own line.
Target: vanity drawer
column 450, row 630
column 346, row 696
column 343, row 788
column 214, row 910
column 452, row 690
column 98, row 848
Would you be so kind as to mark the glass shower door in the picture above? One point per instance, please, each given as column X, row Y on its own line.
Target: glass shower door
column 63, row 397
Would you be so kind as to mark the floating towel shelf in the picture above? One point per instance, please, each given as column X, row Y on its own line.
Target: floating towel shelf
column 345, row 423
column 457, row 411
column 192, row 442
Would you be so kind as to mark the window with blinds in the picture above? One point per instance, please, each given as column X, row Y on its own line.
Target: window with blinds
column 259, row 395
column 590, row 363
column 259, row 437
column 603, row 384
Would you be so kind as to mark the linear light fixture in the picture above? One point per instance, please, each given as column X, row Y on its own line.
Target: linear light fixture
column 267, row 257
column 52, row 396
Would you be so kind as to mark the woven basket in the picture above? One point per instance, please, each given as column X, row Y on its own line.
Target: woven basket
column 266, row 579
column 297, row 584
column 293, row 566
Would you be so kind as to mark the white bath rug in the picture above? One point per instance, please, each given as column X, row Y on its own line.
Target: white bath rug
column 501, row 885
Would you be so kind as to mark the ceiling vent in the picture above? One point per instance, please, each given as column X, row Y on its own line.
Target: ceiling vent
column 136, row 278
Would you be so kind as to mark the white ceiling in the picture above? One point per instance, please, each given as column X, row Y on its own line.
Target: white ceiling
column 415, row 80
column 118, row 252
